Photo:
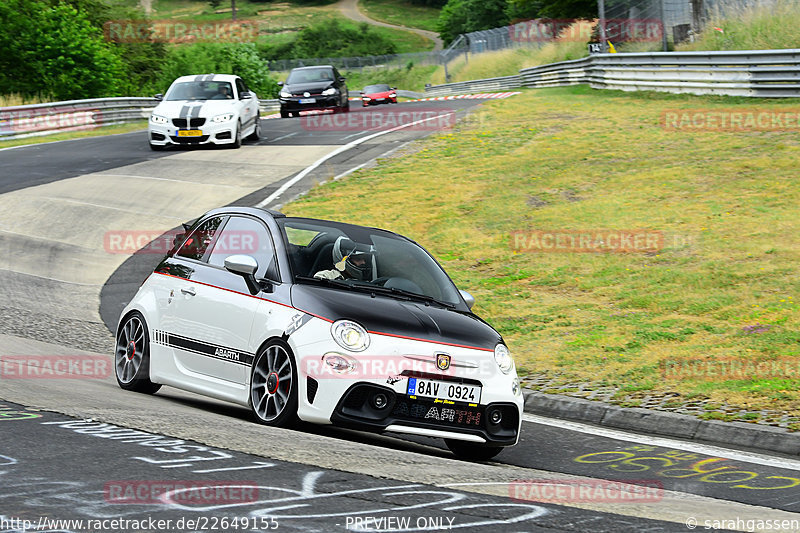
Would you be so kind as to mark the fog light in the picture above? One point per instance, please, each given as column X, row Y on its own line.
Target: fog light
column 380, row 401
column 495, row 416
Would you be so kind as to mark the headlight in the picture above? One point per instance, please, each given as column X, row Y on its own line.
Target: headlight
column 286, row 94
column 329, row 92
column 222, row 118
column 503, row 358
column 155, row 119
column 350, row 335
column 393, row 95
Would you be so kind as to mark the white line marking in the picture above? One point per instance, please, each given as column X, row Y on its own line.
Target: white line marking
column 52, row 279
column 229, row 469
column 164, row 179
column 283, row 188
column 664, row 442
column 283, row 137
column 78, row 202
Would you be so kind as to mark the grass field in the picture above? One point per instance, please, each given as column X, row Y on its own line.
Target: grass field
column 722, row 287
column 108, row 130
column 401, row 13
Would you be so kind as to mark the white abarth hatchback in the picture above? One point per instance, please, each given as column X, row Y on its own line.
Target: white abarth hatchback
column 320, row 321
column 205, row 109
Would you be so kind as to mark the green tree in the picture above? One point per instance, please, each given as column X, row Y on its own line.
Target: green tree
column 557, row 9
column 54, row 50
column 464, row 16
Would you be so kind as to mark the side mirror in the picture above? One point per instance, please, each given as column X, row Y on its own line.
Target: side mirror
column 245, row 266
column 280, row 84
column 341, row 79
column 245, row 95
column 159, row 97
column 468, row 298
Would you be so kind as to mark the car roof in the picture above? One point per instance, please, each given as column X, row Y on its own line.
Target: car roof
column 313, row 66
column 208, row 77
column 241, row 210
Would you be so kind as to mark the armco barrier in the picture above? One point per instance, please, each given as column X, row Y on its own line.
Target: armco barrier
column 754, row 73
column 44, row 119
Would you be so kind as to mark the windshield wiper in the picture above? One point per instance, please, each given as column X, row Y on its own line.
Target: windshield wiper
column 401, row 292
column 326, row 281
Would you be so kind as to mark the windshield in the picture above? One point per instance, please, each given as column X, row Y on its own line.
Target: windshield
column 200, row 90
column 356, row 257
column 376, row 89
column 310, row 75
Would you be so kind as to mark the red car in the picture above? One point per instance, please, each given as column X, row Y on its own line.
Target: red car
column 378, row 94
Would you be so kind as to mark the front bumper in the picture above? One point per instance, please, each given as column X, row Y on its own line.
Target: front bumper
column 211, row 133
column 293, row 105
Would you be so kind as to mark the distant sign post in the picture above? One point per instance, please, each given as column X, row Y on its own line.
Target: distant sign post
column 595, row 48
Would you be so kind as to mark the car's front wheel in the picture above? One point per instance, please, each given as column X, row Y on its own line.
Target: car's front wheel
column 284, row 113
column 132, row 356
column 470, row 451
column 256, row 135
column 156, row 147
column 237, row 136
column 273, row 385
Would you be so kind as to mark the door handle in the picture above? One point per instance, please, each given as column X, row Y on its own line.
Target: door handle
column 189, row 291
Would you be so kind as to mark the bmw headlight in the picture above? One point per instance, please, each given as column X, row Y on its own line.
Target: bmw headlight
column 222, row 118
column 350, row 335
column 503, row 358
column 286, row 94
column 329, row 92
column 156, row 119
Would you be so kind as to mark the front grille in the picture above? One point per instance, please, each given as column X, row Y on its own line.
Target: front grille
column 193, row 122
column 190, row 140
column 460, row 416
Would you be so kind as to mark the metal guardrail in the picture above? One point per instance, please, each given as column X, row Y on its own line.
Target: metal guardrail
column 504, row 83
column 18, row 122
column 754, row 73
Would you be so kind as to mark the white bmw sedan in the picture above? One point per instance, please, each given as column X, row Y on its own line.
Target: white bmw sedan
column 205, row 109
column 324, row 322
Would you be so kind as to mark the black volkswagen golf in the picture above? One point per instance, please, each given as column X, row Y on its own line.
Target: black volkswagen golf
column 320, row 87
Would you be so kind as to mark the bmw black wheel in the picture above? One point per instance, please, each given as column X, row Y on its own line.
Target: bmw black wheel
column 132, row 356
column 284, row 113
column 273, row 386
column 470, row 451
column 156, row 147
column 237, row 137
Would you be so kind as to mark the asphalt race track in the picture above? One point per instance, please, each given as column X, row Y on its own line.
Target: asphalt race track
column 65, row 449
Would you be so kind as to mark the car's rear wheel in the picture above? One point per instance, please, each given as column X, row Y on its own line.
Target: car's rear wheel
column 469, row 451
column 273, row 386
column 256, row 135
column 132, row 356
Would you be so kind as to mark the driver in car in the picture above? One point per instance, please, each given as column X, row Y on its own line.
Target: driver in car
column 355, row 265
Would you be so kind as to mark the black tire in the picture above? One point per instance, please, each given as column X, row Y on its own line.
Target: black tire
column 284, row 113
column 278, row 406
column 256, row 135
column 469, row 451
column 346, row 108
column 295, row 113
column 156, row 147
column 132, row 356
column 237, row 137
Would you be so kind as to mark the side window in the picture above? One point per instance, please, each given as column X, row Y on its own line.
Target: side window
column 197, row 244
column 240, row 88
column 244, row 235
